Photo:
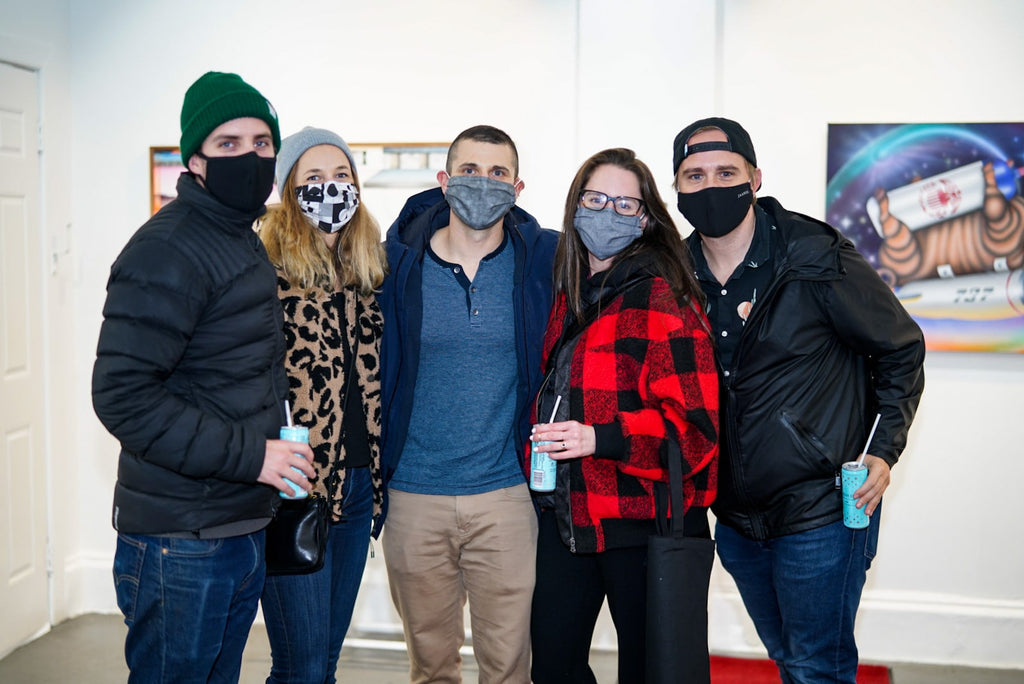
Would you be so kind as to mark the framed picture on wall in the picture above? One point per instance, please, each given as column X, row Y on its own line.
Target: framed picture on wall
column 164, row 168
column 938, row 210
column 390, row 172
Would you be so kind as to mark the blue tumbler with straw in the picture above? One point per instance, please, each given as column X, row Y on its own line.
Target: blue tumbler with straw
column 294, row 433
column 854, row 474
column 543, row 468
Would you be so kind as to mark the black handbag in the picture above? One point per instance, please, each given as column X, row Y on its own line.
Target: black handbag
column 297, row 536
column 678, row 576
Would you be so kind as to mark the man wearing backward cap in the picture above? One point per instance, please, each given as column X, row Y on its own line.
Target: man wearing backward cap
column 811, row 345
column 189, row 377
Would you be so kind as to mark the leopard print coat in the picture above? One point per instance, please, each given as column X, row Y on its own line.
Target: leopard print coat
column 315, row 321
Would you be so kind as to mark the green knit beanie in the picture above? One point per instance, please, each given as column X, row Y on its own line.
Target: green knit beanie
column 216, row 98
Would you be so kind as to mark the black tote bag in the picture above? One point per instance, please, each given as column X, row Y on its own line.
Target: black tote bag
column 678, row 575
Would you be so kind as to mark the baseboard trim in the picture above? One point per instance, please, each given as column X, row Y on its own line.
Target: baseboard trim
column 901, row 627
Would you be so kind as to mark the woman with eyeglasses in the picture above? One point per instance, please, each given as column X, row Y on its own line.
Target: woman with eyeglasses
column 326, row 248
column 629, row 353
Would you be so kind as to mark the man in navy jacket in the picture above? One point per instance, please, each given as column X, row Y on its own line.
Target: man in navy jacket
column 465, row 307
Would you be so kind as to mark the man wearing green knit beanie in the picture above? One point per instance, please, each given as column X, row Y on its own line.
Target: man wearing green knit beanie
column 229, row 125
column 189, row 377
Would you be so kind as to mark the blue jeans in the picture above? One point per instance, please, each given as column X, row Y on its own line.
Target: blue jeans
column 802, row 592
column 307, row 616
column 188, row 604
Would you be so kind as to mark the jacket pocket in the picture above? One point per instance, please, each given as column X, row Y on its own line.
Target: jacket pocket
column 810, row 446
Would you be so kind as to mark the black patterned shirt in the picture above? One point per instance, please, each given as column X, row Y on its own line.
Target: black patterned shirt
column 729, row 305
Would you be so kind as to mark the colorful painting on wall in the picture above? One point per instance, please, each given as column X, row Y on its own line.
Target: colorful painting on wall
column 938, row 210
column 164, row 168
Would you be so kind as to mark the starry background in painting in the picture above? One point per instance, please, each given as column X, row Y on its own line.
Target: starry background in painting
column 864, row 157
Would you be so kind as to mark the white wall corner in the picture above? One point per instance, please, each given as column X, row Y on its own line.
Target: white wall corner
column 89, row 584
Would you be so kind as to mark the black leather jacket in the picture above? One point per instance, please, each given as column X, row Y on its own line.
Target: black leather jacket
column 826, row 347
column 189, row 374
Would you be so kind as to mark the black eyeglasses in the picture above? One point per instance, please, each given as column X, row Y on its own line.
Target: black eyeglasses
column 624, row 206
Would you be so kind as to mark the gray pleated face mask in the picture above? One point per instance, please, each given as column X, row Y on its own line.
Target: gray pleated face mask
column 479, row 202
column 605, row 233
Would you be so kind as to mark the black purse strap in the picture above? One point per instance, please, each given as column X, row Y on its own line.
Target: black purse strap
column 668, row 498
column 675, row 484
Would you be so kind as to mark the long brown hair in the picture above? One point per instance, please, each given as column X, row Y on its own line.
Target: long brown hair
column 296, row 247
column 660, row 239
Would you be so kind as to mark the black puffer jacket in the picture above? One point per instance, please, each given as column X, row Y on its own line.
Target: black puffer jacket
column 826, row 347
column 189, row 373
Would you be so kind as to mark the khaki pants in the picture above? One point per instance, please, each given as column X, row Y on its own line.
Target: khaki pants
column 439, row 550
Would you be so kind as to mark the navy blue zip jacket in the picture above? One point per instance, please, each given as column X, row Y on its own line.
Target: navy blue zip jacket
column 402, row 304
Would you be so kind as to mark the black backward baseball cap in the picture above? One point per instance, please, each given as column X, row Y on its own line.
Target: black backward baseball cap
column 739, row 141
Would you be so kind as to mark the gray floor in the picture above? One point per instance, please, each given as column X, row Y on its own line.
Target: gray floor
column 87, row 650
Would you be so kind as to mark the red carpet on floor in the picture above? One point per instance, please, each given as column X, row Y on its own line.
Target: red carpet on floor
column 725, row 670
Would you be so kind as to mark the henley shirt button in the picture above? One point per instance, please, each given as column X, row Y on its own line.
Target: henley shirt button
column 476, row 312
column 725, row 373
column 457, row 269
column 472, row 289
column 724, row 292
column 725, row 333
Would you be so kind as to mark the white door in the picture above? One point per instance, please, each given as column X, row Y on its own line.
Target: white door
column 24, row 587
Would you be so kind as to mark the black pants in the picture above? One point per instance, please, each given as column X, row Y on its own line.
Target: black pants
column 568, row 597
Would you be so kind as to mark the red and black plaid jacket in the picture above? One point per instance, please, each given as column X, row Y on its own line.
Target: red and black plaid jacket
column 643, row 361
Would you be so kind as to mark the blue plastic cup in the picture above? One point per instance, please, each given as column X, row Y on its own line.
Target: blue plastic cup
column 295, row 433
column 542, row 469
column 854, row 475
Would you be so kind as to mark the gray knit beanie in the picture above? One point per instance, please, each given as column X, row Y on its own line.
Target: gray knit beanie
column 295, row 145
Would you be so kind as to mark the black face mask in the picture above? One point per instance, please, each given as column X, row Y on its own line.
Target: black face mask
column 715, row 212
column 243, row 182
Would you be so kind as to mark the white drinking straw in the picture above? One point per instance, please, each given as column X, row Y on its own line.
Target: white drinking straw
column 288, row 413
column 558, row 400
column 860, row 461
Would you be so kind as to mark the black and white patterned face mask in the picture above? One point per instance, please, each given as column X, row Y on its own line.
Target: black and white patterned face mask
column 328, row 206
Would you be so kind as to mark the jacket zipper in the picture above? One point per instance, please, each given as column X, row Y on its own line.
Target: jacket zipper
column 572, row 527
column 559, row 467
column 399, row 306
column 756, row 518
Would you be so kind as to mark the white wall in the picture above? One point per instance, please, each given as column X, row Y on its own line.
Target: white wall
column 565, row 78
column 37, row 39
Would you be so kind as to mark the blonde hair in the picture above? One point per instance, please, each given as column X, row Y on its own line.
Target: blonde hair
column 295, row 246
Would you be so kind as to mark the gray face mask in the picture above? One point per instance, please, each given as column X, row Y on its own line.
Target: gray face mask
column 479, row 202
column 604, row 232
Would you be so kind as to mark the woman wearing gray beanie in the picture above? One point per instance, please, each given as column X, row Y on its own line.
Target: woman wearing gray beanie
column 326, row 248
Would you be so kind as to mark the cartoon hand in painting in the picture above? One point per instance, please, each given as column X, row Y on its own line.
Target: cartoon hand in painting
column 989, row 238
